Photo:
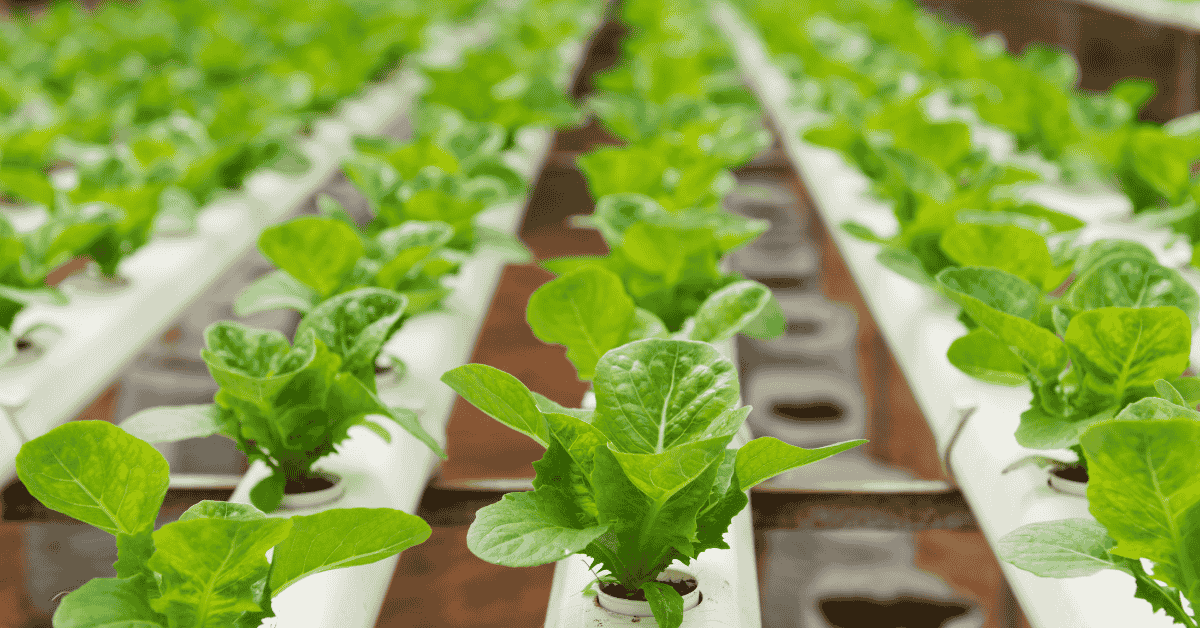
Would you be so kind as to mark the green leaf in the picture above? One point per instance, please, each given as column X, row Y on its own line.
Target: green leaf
column 1001, row 303
column 729, row 309
column 655, row 394
column 549, row 406
column 765, row 457
column 268, row 493
column 529, row 529
column 1122, row 348
column 1070, row 548
column 211, row 568
column 646, row 325
column 1131, row 282
column 904, row 263
column 770, row 323
column 1155, row 409
column 355, row 325
column 108, row 603
column 408, row 420
column 586, row 310
column 96, row 472
column 500, row 396
column 343, row 537
column 1006, row 247
column 1144, row 487
column 660, row 475
column 276, row 290
column 166, row 424
column 318, row 251
column 862, row 232
column 983, row 356
column 209, row 509
column 665, row 603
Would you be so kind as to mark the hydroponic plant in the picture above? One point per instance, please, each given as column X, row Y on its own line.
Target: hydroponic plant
column 645, row 479
column 1144, row 492
column 208, row 569
column 322, row 256
column 290, row 405
column 668, row 262
column 1124, row 323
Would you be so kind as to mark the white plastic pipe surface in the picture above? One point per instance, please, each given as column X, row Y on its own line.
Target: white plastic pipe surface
column 919, row 327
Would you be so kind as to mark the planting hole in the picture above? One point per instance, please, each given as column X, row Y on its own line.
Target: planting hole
column 814, row 412
column 784, row 283
column 803, row 327
column 857, row 612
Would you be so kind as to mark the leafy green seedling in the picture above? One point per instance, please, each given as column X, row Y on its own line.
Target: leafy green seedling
column 644, row 480
column 289, row 406
column 668, row 263
column 322, row 256
column 1144, row 491
column 589, row 312
column 208, row 569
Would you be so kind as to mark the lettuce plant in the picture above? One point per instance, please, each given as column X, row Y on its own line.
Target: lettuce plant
column 645, row 479
column 668, row 262
column 1124, row 323
column 1144, row 492
column 322, row 256
column 422, row 180
column 208, row 569
column 289, row 406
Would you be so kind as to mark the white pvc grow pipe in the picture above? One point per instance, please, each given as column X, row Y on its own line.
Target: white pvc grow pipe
column 919, row 327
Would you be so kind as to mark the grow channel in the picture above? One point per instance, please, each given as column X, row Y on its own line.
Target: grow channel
column 973, row 421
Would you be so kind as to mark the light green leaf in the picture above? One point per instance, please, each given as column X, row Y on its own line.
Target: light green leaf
column 1006, row 247
column 1070, row 548
column 765, row 457
column 660, row 475
column 108, row 603
column 500, row 396
column 655, row 394
column 211, row 568
column 665, row 603
column 318, row 251
column 983, row 356
column 209, row 509
column 1132, row 282
column 355, row 325
column 729, row 309
column 343, row 537
column 166, row 424
column 1155, row 409
column 529, row 529
column 276, row 290
column 1144, row 487
column 96, row 472
column 1001, row 303
column 1120, row 348
column 586, row 310
column 267, row 494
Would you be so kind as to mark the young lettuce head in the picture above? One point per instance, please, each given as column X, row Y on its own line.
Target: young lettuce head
column 289, row 406
column 208, row 569
column 645, row 479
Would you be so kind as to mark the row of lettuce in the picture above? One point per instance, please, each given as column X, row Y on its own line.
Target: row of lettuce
column 121, row 122
column 1101, row 333
column 645, row 478
column 648, row 476
column 290, row 403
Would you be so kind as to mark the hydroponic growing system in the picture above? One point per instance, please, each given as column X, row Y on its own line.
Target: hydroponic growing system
column 1025, row 246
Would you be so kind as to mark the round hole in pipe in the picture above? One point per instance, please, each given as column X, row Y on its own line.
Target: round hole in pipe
column 784, row 283
column 905, row 612
column 809, row 412
column 803, row 327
